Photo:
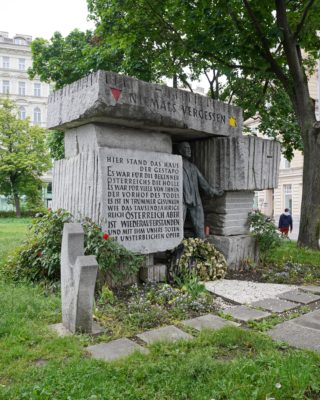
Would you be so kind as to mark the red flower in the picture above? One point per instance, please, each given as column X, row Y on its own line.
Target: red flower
column 39, row 254
column 105, row 236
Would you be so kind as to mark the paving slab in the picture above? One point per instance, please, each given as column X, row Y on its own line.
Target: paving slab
column 310, row 320
column 296, row 335
column 114, row 350
column 299, row 296
column 275, row 305
column 168, row 333
column 246, row 292
column 311, row 288
column 244, row 313
column 208, row 321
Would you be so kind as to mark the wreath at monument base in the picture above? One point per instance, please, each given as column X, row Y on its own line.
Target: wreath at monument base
column 195, row 256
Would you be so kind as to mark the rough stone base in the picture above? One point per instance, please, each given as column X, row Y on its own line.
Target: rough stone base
column 62, row 331
column 153, row 273
column 236, row 249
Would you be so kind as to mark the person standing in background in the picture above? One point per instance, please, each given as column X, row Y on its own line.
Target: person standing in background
column 285, row 223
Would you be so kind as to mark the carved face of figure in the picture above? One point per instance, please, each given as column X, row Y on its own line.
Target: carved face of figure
column 184, row 149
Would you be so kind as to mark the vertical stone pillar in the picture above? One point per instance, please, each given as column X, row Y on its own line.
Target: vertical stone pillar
column 78, row 278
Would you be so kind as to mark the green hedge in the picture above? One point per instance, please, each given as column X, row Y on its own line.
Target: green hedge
column 25, row 214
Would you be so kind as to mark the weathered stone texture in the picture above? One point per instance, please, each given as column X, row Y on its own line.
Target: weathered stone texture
column 117, row 99
column 89, row 137
column 236, row 249
column 78, row 278
column 228, row 215
column 77, row 185
column 238, row 163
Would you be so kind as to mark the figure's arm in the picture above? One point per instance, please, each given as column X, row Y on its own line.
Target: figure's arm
column 206, row 187
column 291, row 224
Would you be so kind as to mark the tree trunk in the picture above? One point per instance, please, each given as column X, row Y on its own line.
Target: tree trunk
column 17, row 204
column 310, row 206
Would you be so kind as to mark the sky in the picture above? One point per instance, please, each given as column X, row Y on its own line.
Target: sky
column 41, row 18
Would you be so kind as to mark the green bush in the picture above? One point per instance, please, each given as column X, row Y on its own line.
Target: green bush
column 264, row 231
column 38, row 259
column 24, row 213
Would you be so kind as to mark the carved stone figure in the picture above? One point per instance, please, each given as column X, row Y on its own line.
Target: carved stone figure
column 192, row 180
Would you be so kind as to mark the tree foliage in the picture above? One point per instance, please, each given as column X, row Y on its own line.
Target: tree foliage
column 266, row 50
column 23, row 155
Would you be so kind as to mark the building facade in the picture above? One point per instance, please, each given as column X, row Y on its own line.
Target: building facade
column 30, row 96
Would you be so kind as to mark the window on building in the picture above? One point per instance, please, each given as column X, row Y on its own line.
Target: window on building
column 49, row 188
column 5, row 87
column 22, row 113
column 22, row 88
column 22, row 64
column 287, row 192
column 37, row 89
column 37, row 115
column 20, row 40
column 5, row 62
column 287, row 164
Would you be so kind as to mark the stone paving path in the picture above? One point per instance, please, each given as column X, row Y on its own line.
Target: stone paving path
column 301, row 332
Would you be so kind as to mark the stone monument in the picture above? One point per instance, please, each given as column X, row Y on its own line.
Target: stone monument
column 119, row 169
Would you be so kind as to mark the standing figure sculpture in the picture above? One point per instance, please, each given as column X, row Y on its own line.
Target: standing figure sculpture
column 192, row 180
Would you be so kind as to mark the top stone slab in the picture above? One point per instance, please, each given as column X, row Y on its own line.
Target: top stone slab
column 121, row 100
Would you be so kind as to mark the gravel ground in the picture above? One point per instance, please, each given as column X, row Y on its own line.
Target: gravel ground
column 244, row 292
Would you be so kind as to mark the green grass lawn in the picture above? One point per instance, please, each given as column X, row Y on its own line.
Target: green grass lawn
column 229, row 364
column 289, row 251
column 292, row 264
column 12, row 232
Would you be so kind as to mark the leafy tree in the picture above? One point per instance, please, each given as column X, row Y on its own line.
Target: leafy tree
column 56, row 144
column 258, row 45
column 23, row 155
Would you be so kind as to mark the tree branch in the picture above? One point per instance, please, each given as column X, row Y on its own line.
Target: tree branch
column 266, row 53
column 303, row 18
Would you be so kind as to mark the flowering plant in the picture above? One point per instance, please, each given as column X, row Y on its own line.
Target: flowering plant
column 38, row 259
column 196, row 257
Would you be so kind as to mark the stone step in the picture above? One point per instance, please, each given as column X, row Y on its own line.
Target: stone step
column 168, row 333
column 208, row 321
column 114, row 350
column 245, row 314
column 299, row 296
column 275, row 305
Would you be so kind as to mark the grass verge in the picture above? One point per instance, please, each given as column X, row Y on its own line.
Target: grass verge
column 12, row 232
column 229, row 364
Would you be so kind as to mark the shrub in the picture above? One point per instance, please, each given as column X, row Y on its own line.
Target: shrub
column 24, row 213
column 264, row 231
column 197, row 258
column 38, row 259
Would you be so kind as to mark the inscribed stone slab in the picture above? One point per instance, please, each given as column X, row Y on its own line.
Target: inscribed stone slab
column 113, row 350
column 121, row 100
column 167, row 333
column 142, row 199
column 296, row 335
column 244, row 313
column 208, row 321
column 275, row 305
column 299, row 297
